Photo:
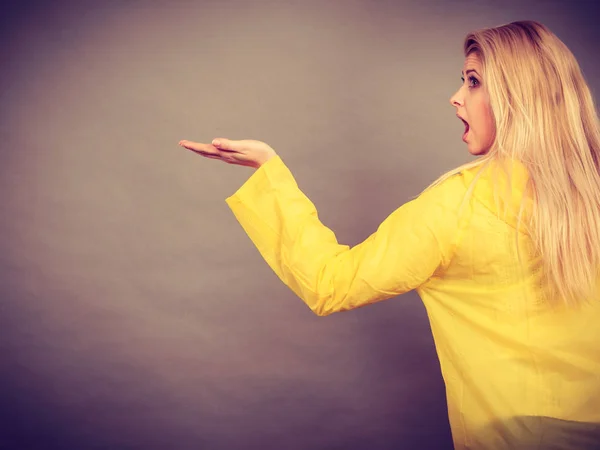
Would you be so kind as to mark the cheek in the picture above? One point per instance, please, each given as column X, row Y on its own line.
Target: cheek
column 489, row 115
column 491, row 126
column 486, row 127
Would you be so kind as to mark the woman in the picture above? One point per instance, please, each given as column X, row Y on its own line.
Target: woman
column 503, row 251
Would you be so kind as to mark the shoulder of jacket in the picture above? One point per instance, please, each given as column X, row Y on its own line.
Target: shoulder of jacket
column 449, row 191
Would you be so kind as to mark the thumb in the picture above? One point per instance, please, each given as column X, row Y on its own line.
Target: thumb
column 224, row 144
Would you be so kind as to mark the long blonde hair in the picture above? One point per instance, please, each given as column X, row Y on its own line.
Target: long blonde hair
column 545, row 117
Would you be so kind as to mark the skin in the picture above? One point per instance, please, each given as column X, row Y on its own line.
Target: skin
column 247, row 152
column 472, row 104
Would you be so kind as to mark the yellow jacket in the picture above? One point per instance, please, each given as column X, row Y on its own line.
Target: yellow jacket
column 518, row 374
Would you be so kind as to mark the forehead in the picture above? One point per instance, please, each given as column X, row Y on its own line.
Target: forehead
column 472, row 62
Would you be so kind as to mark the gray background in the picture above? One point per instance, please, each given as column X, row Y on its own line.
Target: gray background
column 135, row 312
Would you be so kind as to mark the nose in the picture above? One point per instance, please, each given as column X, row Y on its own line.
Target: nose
column 456, row 99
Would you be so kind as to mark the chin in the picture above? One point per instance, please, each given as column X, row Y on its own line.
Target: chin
column 477, row 151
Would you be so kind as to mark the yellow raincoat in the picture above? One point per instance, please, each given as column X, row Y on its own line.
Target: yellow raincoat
column 518, row 374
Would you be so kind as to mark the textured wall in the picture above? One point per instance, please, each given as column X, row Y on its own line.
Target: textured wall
column 134, row 311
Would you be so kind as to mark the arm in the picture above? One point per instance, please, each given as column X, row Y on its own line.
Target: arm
column 409, row 246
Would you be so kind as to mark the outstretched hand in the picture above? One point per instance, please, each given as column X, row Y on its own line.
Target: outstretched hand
column 246, row 152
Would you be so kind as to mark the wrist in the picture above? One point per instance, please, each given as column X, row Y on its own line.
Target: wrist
column 265, row 159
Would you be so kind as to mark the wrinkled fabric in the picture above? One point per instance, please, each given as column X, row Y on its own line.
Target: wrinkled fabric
column 518, row 372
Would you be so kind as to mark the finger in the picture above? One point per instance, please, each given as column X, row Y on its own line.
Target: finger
column 193, row 145
column 226, row 144
column 208, row 155
column 199, row 147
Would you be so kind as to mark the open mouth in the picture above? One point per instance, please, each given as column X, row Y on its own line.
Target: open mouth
column 466, row 129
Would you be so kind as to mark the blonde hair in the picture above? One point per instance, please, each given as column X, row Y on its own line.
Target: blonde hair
column 545, row 118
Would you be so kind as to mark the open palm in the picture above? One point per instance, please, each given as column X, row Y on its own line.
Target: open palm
column 246, row 152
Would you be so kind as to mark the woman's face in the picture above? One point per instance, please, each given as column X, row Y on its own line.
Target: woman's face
column 473, row 106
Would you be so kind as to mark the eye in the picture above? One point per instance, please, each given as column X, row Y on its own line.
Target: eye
column 472, row 79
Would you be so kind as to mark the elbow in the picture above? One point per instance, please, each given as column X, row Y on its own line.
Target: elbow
column 321, row 312
column 323, row 309
column 324, row 304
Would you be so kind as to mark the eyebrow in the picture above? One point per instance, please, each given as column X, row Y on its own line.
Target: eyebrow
column 471, row 70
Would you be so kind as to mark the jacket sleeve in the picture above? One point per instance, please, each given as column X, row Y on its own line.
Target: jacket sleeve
column 409, row 246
